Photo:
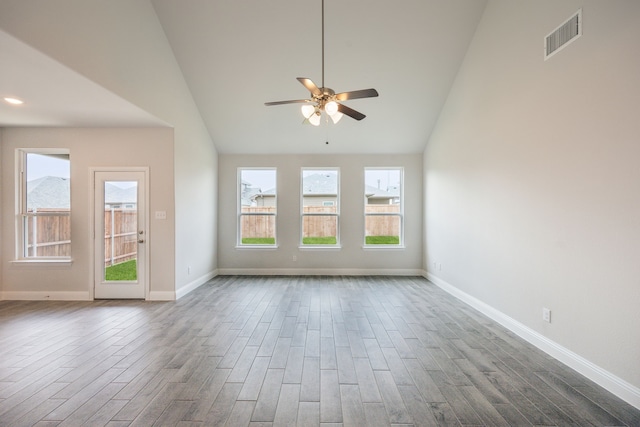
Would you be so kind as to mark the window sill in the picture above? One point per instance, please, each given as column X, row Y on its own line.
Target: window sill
column 383, row 247
column 320, row 247
column 43, row 262
column 258, row 247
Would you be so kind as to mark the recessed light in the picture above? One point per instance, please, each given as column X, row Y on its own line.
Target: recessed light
column 14, row 101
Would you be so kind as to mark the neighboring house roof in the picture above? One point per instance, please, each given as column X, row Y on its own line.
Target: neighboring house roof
column 53, row 192
column 248, row 193
column 48, row 192
column 377, row 193
column 394, row 190
column 320, row 184
column 269, row 193
column 116, row 195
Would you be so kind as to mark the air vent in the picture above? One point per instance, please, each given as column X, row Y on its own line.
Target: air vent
column 562, row 36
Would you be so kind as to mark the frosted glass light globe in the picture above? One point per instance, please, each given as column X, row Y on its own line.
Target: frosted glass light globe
column 307, row 110
column 331, row 107
column 315, row 119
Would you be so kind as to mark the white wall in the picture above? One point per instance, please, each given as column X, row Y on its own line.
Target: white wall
column 351, row 258
column 532, row 181
column 88, row 148
column 120, row 45
column 1, row 213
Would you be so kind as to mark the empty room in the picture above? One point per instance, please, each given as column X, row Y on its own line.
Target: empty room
column 319, row 212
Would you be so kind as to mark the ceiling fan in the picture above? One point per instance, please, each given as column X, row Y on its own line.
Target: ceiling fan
column 325, row 99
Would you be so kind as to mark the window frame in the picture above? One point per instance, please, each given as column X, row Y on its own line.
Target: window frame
column 335, row 214
column 400, row 214
column 240, row 214
column 23, row 215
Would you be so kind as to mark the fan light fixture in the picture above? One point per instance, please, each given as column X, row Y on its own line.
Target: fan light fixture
column 325, row 99
column 312, row 114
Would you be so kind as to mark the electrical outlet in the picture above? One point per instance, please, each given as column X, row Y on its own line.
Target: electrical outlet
column 294, row 258
column 546, row 315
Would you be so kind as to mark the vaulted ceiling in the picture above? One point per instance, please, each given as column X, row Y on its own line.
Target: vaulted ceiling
column 236, row 55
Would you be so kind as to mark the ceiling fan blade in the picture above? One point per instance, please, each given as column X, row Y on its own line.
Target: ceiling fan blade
column 350, row 112
column 355, row 94
column 311, row 86
column 293, row 101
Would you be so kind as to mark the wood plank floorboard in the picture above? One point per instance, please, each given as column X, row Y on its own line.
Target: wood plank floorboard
column 285, row 350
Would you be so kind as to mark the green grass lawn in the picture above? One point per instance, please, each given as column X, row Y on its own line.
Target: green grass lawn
column 123, row 271
column 331, row 240
column 382, row 240
column 258, row 241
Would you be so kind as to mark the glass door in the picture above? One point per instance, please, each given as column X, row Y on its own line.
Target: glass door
column 120, row 235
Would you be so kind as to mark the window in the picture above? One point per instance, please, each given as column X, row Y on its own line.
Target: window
column 257, row 207
column 383, row 207
column 320, row 207
column 44, row 212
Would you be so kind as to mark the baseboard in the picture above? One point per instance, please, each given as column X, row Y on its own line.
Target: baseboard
column 195, row 284
column 624, row 390
column 85, row 296
column 45, row 296
column 317, row 272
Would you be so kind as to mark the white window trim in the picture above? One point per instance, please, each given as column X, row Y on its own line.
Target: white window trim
column 21, row 210
column 401, row 245
column 240, row 214
column 59, row 262
column 338, row 244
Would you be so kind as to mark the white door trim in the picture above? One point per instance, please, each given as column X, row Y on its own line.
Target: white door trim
column 92, row 222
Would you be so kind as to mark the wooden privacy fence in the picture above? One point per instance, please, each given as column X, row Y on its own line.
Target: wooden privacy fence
column 258, row 226
column 382, row 225
column 320, row 225
column 120, row 236
column 49, row 235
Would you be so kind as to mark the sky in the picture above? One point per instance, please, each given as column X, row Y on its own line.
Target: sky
column 123, row 184
column 39, row 165
column 266, row 179
column 388, row 178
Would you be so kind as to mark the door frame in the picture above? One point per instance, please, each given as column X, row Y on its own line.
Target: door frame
column 92, row 222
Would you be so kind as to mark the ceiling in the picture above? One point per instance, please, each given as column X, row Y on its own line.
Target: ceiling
column 55, row 95
column 236, row 55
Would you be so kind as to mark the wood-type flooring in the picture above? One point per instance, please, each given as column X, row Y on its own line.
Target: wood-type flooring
column 285, row 351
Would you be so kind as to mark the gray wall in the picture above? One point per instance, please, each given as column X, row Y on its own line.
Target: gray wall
column 88, row 38
column 532, row 181
column 351, row 258
column 89, row 148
